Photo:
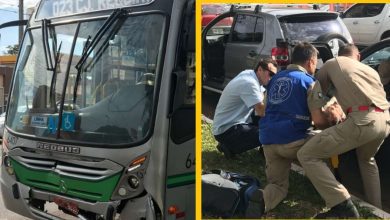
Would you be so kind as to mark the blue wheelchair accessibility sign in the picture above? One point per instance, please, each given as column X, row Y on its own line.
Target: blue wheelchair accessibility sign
column 68, row 121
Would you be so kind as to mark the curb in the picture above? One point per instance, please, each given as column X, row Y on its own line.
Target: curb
column 375, row 210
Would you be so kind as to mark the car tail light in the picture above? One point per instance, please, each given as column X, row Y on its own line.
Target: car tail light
column 280, row 55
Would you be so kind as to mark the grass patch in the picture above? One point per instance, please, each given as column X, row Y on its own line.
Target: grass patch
column 302, row 201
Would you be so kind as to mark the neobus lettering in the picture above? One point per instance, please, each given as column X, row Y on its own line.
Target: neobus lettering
column 59, row 148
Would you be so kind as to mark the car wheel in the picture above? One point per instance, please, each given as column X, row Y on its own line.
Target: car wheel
column 335, row 41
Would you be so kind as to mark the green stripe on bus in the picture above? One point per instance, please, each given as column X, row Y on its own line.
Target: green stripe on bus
column 181, row 180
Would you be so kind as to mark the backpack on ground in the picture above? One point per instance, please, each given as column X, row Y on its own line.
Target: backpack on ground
column 226, row 194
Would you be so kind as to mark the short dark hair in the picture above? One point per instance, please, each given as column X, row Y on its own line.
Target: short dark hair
column 347, row 49
column 263, row 63
column 303, row 52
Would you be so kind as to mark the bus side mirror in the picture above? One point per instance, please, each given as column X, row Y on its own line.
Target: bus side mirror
column 182, row 113
column 179, row 89
column 191, row 35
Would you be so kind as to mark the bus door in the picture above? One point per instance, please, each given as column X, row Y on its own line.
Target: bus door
column 180, row 182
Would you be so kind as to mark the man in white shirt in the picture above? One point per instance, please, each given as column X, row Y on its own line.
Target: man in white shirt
column 243, row 94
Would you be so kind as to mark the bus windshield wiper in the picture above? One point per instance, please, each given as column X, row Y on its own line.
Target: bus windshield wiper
column 46, row 48
column 49, row 59
column 90, row 45
column 54, row 78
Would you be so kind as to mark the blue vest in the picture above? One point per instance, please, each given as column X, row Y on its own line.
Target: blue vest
column 287, row 116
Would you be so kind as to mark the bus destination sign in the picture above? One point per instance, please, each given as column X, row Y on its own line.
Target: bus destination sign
column 58, row 8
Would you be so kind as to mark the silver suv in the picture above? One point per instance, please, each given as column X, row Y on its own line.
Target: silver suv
column 368, row 23
column 264, row 32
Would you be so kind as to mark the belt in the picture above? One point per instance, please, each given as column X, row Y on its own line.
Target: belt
column 363, row 108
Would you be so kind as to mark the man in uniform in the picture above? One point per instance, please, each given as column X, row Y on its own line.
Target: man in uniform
column 360, row 94
column 240, row 96
column 285, row 126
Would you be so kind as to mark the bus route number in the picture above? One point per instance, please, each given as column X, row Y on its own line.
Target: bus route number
column 190, row 161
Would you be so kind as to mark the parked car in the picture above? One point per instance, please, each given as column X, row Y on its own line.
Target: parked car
column 376, row 54
column 368, row 23
column 2, row 122
column 264, row 32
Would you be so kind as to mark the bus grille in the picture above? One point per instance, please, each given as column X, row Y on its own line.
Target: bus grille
column 66, row 169
column 92, row 183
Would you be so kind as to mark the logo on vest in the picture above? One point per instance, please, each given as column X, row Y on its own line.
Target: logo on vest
column 280, row 90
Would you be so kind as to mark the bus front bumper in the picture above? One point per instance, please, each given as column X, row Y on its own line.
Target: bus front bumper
column 17, row 197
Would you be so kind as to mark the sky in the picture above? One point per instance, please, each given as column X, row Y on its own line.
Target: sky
column 9, row 12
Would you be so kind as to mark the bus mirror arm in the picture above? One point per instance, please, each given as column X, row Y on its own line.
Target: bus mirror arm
column 13, row 23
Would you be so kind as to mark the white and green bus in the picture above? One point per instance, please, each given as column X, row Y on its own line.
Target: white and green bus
column 101, row 112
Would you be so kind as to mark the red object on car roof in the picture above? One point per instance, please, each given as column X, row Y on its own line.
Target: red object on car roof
column 210, row 11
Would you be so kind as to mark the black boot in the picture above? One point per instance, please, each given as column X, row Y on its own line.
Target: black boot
column 256, row 205
column 223, row 149
column 345, row 209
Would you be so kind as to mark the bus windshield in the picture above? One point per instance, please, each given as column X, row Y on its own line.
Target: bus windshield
column 109, row 100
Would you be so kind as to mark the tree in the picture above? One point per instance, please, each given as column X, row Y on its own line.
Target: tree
column 12, row 49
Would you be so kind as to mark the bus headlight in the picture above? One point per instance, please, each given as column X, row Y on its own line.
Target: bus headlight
column 133, row 182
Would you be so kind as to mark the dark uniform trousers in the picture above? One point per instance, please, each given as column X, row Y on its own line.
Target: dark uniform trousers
column 240, row 138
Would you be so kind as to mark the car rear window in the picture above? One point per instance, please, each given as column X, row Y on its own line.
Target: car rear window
column 309, row 27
